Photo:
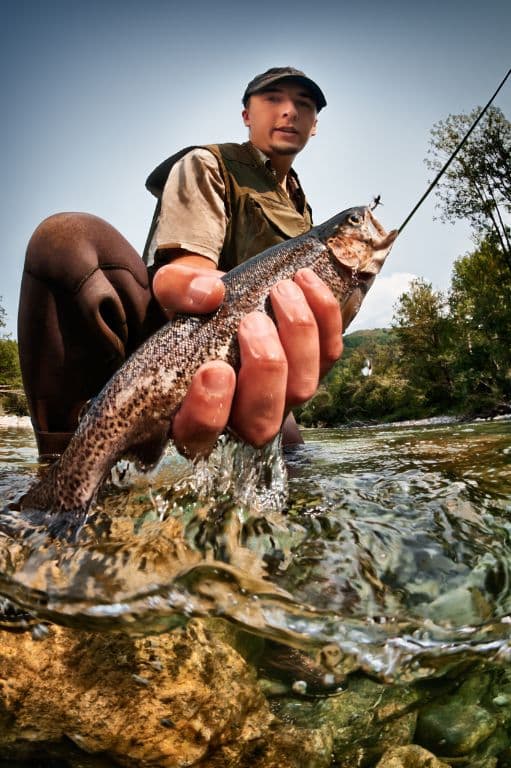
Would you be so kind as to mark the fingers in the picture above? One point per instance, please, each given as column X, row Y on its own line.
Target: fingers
column 205, row 410
column 327, row 313
column 298, row 332
column 188, row 289
column 260, row 400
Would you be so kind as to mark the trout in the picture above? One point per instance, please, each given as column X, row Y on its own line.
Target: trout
column 133, row 413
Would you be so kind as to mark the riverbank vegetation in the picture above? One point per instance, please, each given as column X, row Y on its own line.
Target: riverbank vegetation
column 444, row 353
column 12, row 399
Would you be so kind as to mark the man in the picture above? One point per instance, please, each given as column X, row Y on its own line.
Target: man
column 220, row 205
column 86, row 302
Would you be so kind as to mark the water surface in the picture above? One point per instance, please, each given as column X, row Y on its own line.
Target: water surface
column 391, row 544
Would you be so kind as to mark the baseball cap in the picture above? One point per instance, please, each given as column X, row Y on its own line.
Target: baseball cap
column 276, row 75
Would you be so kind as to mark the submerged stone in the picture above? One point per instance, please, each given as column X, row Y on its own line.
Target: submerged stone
column 454, row 729
column 410, row 756
column 199, row 703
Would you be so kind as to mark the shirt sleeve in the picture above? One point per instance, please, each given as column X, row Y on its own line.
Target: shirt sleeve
column 192, row 212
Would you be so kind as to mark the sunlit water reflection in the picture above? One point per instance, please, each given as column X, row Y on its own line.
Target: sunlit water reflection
column 393, row 546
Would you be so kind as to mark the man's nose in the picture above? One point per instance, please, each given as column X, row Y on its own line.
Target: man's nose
column 289, row 109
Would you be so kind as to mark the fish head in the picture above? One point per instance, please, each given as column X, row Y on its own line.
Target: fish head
column 357, row 241
column 358, row 246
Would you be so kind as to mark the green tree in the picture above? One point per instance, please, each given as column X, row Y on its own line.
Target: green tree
column 423, row 332
column 9, row 363
column 12, row 400
column 477, row 185
column 480, row 303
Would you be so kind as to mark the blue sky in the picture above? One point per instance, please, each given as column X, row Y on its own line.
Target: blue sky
column 96, row 93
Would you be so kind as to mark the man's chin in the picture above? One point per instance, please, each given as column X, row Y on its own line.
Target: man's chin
column 286, row 149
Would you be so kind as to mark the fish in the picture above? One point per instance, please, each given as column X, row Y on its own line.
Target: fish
column 132, row 415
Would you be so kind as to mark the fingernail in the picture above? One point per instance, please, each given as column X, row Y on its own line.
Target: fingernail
column 216, row 380
column 258, row 332
column 288, row 289
column 201, row 287
column 257, row 323
column 309, row 276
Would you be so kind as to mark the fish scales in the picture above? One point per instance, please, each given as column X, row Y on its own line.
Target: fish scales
column 134, row 411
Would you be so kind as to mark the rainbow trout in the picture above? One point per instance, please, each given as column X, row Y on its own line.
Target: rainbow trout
column 133, row 413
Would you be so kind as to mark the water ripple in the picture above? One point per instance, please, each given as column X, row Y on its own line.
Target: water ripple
column 394, row 545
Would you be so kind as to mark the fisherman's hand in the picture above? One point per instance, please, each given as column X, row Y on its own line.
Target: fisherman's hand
column 281, row 363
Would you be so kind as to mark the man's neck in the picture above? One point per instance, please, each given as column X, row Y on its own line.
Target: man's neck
column 281, row 164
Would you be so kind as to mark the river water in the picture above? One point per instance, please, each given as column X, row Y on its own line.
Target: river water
column 392, row 544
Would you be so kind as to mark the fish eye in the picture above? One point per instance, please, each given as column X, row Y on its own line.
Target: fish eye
column 355, row 218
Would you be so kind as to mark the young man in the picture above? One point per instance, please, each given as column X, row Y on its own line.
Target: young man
column 86, row 303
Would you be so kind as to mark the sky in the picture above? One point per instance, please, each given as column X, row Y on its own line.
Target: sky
column 96, row 93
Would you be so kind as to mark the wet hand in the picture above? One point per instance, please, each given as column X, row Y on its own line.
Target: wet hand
column 281, row 362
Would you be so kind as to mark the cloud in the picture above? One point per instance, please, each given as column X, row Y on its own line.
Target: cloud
column 378, row 307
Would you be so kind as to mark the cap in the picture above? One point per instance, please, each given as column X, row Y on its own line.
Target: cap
column 276, row 75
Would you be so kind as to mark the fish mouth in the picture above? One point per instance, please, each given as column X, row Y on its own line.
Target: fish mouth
column 384, row 245
column 384, row 239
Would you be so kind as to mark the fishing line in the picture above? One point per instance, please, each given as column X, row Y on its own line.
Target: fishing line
column 451, row 158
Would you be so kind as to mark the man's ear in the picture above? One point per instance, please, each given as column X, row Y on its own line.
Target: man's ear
column 246, row 119
column 314, row 129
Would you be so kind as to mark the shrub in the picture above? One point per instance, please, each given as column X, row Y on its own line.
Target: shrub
column 15, row 403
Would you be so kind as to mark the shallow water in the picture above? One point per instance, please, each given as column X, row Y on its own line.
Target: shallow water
column 393, row 546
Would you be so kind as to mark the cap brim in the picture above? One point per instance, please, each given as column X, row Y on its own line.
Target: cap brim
column 316, row 92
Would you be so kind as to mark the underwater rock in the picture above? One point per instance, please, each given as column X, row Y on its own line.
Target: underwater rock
column 473, row 721
column 189, row 697
column 178, row 699
column 410, row 756
column 365, row 719
column 462, row 722
column 453, row 729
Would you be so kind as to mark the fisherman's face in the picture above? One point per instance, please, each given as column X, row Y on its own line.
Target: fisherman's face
column 281, row 119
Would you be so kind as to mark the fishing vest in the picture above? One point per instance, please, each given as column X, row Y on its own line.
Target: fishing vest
column 259, row 212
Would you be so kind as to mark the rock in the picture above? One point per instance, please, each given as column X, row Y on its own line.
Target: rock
column 454, row 728
column 178, row 699
column 91, row 700
column 365, row 719
column 410, row 756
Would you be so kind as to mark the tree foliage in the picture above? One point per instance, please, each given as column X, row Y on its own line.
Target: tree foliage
column 477, row 185
column 444, row 353
column 480, row 311
column 12, row 399
column 9, row 363
column 423, row 339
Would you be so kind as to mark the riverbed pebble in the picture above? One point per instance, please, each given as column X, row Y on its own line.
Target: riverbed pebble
column 454, row 729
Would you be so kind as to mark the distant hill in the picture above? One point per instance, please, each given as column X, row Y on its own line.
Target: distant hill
column 375, row 337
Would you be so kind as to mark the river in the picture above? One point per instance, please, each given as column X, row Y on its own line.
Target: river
column 389, row 543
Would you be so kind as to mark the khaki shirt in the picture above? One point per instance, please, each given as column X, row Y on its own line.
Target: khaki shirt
column 192, row 214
